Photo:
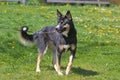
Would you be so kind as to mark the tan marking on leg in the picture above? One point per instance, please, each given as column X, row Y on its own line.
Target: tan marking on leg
column 56, row 64
column 61, row 47
column 40, row 55
column 57, row 68
column 38, row 63
column 69, row 65
column 45, row 50
column 72, row 46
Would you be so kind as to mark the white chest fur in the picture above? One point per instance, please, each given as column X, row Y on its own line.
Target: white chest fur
column 65, row 33
column 66, row 46
column 72, row 46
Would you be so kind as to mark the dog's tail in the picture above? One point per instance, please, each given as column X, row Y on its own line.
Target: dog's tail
column 25, row 38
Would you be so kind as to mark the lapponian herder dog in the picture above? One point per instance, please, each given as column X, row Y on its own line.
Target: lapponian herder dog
column 57, row 39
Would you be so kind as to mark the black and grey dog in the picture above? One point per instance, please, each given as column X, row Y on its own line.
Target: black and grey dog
column 57, row 38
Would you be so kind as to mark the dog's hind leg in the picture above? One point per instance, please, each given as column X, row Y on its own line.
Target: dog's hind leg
column 42, row 48
column 56, row 63
column 38, row 62
column 56, row 59
column 40, row 55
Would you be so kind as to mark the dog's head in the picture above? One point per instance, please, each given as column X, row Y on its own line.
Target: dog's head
column 64, row 22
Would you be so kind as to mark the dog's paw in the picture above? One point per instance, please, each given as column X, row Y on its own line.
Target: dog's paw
column 67, row 73
column 60, row 73
column 38, row 71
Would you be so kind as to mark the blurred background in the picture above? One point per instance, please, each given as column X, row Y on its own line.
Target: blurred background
column 99, row 2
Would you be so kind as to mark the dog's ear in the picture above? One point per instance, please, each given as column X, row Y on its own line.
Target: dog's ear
column 68, row 15
column 58, row 14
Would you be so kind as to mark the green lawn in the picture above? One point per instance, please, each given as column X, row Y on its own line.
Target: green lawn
column 98, row 52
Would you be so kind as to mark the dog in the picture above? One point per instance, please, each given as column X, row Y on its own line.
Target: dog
column 57, row 38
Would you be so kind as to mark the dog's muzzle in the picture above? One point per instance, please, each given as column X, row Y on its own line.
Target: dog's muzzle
column 60, row 30
column 57, row 28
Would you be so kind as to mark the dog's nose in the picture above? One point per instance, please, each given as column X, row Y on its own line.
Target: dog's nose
column 56, row 29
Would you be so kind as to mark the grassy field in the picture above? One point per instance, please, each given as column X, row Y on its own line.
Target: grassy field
column 98, row 53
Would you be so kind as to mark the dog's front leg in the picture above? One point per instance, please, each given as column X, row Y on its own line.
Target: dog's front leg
column 70, row 62
column 38, row 62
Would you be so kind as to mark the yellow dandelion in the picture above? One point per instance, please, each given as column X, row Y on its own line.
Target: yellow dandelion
column 80, row 20
column 107, row 42
column 2, row 3
column 8, row 74
column 21, row 5
column 94, row 29
column 97, row 46
column 90, row 30
column 48, row 17
column 105, row 11
column 101, row 31
column 85, row 26
column 90, row 10
column 5, row 11
column 12, row 46
column 67, row 5
column 109, row 11
column 109, row 29
column 109, row 15
column 44, row 7
column 117, row 32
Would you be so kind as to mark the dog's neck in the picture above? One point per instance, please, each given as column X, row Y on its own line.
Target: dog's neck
column 65, row 33
column 70, row 30
column 70, row 33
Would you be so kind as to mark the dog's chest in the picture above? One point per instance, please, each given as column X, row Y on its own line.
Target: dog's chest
column 66, row 47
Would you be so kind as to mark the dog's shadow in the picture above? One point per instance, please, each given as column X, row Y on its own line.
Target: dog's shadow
column 80, row 71
column 84, row 72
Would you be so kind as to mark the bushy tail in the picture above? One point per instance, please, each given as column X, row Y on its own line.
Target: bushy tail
column 25, row 38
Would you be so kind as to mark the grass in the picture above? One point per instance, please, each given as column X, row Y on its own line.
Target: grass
column 98, row 52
